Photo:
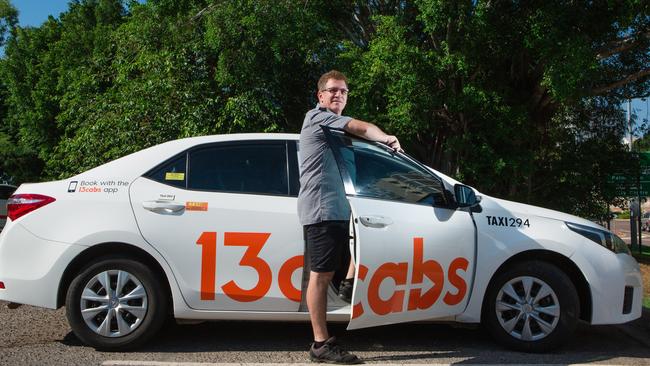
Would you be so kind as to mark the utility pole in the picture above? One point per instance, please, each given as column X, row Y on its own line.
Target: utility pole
column 635, row 203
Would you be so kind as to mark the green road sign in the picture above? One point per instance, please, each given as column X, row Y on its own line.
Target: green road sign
column 635, row 183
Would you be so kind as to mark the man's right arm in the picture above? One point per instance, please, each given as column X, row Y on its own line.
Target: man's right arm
column 371, row 132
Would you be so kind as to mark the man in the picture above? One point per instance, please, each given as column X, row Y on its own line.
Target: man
column 322, row 207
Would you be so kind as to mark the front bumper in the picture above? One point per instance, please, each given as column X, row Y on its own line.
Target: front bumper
column 616, row 286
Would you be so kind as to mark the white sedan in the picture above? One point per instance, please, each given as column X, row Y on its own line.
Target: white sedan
column 205, row 228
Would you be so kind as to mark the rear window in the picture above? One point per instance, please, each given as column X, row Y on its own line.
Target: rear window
column 171, row 172
column 252, row 167
column 6, row 191
column 244, row 167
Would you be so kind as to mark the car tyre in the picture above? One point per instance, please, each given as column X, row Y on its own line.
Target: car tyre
column 531, row 307
column 124, row 317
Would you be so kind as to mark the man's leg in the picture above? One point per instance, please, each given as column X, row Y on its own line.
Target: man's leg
column 346, row 286
column 350, row 274
column 325, row 243
column 317, row 303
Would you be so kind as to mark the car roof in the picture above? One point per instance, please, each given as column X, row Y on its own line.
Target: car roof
column 136, row 164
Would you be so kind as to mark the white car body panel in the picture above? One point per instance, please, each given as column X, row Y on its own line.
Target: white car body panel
column 32, row 267
column 547, row 231
column 36, row 249
column 224, row 213
column 415, row 243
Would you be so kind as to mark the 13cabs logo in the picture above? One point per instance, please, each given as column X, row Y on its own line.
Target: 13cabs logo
column 397, row 272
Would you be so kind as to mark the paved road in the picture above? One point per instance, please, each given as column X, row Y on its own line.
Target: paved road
column 33, row 336
column 622, row 229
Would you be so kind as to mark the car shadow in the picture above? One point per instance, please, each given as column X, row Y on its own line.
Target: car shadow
column 401, row 343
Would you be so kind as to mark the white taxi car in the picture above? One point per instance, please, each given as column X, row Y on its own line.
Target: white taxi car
column 206, row 228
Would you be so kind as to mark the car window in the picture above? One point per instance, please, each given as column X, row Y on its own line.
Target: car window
column 378, row 172
column 6, row 191
column 258, row 168
column 171, row 172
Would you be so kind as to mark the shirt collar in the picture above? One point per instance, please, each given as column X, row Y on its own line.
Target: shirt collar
column 324, row 109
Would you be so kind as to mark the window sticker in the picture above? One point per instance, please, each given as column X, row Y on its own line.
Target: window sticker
column 174, row 176
column 196, row 206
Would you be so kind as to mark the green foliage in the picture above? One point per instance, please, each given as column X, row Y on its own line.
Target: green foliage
column 501, row 95
column 153, row 85
column 8, row 19
column 266, row 65
column 519, row 99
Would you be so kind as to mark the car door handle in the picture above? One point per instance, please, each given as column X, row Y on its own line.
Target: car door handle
column 375, row 221
column 163, row 207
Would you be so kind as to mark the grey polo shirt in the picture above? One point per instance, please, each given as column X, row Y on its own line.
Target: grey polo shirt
column 321, row 197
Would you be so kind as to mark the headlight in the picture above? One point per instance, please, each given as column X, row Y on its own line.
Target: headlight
column 602, row 237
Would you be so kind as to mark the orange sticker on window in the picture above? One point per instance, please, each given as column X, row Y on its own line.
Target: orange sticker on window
column 196, row 206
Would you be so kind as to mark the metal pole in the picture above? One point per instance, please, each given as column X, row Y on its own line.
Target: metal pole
column 629, row 120
column 638, row 192
column 634, row 203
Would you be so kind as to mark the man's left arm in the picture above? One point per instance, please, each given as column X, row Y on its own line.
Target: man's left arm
column 371, row 132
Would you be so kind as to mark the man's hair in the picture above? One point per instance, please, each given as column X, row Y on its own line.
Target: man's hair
column 332, row 74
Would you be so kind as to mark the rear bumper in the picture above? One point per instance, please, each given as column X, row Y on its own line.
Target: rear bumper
column 31, row 268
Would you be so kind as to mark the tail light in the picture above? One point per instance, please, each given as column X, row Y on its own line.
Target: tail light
column 22, row 204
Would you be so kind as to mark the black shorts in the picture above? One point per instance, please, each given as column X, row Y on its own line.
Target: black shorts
column 327, row 245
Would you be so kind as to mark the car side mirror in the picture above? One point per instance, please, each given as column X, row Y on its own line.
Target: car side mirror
column 465, row 196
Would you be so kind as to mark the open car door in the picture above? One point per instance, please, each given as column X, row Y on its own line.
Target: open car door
column 415, row 254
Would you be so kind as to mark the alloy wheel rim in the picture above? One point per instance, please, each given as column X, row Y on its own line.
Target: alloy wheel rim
column 114, row 303
column 527, row 308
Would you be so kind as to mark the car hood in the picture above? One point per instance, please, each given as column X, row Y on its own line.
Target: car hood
column 519, row 208
column 530, row 210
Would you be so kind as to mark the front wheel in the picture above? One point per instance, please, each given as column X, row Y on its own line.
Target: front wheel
column 116, row 303
column 531, row 307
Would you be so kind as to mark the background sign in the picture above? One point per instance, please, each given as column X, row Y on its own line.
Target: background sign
column 625, row 183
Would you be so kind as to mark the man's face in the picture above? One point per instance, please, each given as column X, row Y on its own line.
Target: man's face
column 334, row 96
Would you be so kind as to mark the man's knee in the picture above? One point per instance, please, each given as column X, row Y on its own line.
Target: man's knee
column 321, row 278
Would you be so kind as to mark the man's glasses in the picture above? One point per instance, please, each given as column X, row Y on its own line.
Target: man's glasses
column 334, row 90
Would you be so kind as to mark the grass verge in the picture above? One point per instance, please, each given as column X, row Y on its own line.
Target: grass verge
column 644, row 255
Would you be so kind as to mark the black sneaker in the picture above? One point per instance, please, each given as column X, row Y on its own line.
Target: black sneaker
column 331, row 352
column 345, row 289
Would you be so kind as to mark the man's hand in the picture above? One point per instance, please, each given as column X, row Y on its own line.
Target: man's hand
column 393, row 142
column 371, row 132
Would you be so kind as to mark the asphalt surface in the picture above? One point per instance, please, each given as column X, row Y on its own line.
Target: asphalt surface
column 34, row 336
column 622, row 229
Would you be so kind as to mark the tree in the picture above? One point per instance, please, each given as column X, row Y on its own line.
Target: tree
column 266, row 70
column 481, row 89
column 8, row 19
column 503, row 95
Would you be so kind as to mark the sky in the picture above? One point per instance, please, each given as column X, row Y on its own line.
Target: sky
column 35, row 12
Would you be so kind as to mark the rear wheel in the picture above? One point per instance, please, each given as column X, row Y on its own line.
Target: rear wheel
column 531, row 307
column 116, row 303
